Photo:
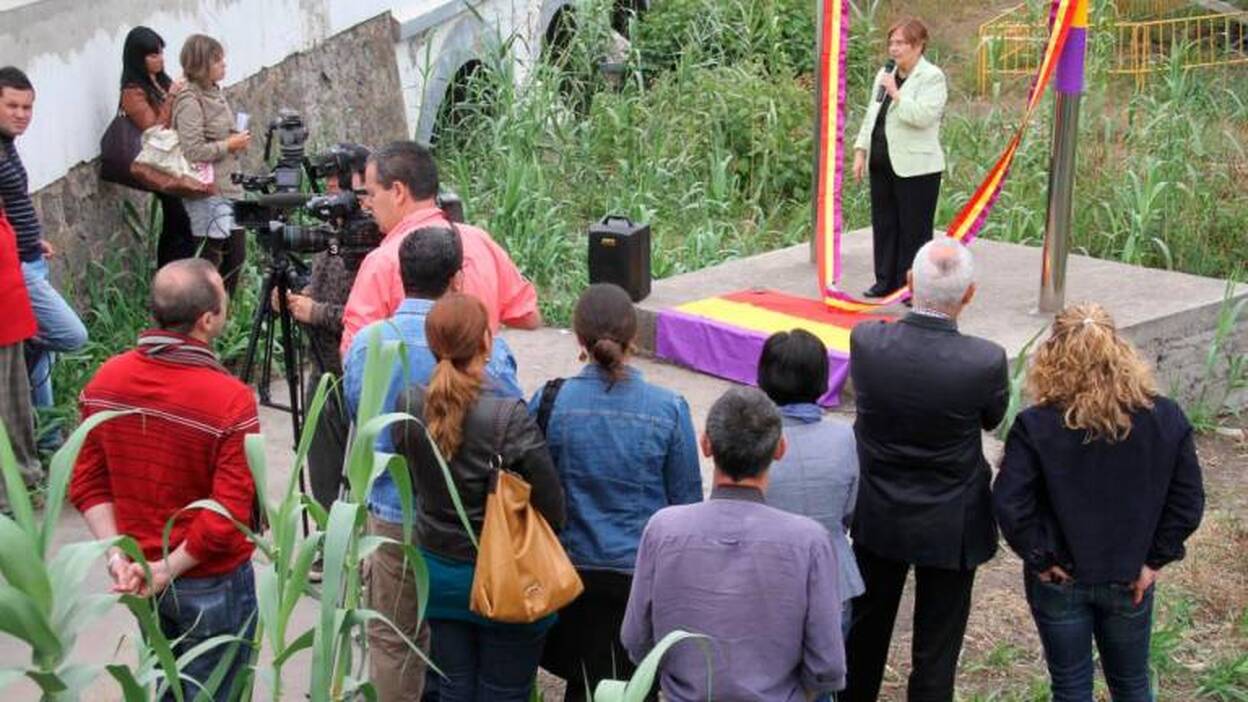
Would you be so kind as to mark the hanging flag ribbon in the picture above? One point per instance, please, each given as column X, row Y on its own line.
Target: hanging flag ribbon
column 967, row 223
column 833, row 51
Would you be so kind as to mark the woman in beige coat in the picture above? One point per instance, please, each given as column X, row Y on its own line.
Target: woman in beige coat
column 205, row 125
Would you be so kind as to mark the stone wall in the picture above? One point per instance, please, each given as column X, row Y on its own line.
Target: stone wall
column 346, row 88
column 1178, row 347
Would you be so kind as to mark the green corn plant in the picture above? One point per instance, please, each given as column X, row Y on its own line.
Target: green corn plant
column 1018, row 380
column 158, row 668
column 42, row 602
column 340, row 539
column 637, row 688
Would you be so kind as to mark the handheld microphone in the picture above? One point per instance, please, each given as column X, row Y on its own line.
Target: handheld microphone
column 890, row 66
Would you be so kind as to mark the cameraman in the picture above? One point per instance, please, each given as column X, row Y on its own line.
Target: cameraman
column 402, row 183
column 319, row 308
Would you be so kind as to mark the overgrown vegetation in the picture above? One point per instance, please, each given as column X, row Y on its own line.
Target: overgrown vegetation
column 708, row 137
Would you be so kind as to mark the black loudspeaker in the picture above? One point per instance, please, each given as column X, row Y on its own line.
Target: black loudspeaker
column 619, row 253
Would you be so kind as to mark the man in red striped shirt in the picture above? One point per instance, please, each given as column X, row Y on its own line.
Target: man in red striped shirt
column 181, row 440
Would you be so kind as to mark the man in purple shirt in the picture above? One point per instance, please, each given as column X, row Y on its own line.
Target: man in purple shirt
column 759, row 582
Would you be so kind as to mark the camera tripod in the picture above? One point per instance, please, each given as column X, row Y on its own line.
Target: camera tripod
column 280, row 271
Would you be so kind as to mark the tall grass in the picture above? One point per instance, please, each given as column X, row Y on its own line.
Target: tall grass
column 708, row 138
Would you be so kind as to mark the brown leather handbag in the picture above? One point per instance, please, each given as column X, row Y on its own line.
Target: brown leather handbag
column 522, row 572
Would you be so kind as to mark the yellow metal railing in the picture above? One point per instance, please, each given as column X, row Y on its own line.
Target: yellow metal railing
column 1148, row 8
column 1199, row 42
column 1011, row 44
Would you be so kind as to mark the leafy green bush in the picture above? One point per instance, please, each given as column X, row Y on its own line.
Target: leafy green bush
column 779, row 34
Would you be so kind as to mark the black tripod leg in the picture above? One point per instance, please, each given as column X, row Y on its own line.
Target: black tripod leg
column 292, row 372
column 266, row 370
column 261, row 319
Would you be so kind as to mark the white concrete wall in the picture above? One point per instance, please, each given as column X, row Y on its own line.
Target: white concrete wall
column 71, row 49
column 436, row 41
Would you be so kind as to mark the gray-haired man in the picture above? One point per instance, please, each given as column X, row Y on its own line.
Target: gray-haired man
column 761, row 583
column 925, row 393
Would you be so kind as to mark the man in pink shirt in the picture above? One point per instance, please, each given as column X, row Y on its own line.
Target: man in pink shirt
column 402, row 184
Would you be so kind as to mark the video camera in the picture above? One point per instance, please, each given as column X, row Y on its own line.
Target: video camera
column 278, row 203
column 344, row 228
column 287, row 174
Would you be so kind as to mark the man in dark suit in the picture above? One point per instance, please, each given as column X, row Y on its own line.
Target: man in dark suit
column 925, row 393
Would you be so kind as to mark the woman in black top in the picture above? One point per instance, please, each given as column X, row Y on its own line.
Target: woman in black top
column 147, row 100
column 480, row 659
column 1098, row 490
column 898, row 147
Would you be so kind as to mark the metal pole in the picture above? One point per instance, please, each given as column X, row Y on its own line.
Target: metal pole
column 1068, row 89
column 814, row 189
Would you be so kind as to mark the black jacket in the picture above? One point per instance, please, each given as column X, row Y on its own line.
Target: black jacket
column 925, row 393
column 438, row 526
column 1097, row 509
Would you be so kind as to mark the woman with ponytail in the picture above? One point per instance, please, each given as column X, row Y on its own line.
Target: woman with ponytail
column 624, row 449
column 481, row 659
column 1098, row 490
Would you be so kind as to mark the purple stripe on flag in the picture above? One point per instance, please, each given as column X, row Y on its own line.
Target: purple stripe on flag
column 729, row 352
column 1069, row 75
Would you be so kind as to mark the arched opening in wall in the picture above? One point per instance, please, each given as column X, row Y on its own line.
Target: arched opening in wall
column 469, row 96
column 625, row 10
column 570, row 61
column 557, row 44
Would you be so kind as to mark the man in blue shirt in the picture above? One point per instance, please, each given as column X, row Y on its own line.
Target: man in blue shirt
column 430, row 263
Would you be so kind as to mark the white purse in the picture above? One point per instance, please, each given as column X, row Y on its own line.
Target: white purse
column 163, row 151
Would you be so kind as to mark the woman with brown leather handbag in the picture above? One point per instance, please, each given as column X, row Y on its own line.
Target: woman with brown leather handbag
column 494, row 454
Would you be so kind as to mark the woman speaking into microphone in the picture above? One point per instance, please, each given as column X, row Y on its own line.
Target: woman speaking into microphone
column 899, row 144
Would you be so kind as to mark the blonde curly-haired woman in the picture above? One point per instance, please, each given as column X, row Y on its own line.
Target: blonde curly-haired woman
column 1098, row 490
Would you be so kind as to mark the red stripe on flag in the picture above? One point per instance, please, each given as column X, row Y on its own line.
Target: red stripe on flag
column 801, row 307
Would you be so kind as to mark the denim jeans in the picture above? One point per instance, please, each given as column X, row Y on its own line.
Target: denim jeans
column 1070, row 615
column 485, row 663
column 60, row 329
column 201, row 608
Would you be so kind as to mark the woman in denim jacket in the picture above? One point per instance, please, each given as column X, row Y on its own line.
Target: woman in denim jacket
column 818, row 476
column 624, row 449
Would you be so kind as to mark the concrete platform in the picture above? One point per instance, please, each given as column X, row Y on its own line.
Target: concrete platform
column 1170, row 316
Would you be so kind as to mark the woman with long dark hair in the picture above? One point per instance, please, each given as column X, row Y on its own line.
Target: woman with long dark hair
column 1099, row 488
column 481, row 659
column 147, row 100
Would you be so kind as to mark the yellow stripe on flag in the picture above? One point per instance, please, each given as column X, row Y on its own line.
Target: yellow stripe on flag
column 765, row 321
